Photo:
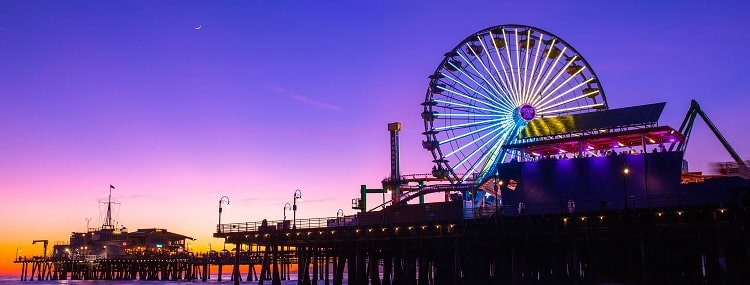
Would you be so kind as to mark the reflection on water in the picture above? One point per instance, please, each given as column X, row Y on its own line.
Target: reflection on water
column 15, row 280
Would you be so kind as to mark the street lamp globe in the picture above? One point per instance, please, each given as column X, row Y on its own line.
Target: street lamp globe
column 297, row 196
column 223, row 199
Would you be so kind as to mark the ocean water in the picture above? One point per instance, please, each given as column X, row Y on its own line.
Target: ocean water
column 16, row 280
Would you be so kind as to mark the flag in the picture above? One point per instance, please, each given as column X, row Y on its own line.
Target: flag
column 111, row 187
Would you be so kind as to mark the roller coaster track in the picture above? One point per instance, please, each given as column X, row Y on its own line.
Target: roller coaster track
column 416, row 191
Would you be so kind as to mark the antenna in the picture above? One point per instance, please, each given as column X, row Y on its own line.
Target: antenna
column 108, row 218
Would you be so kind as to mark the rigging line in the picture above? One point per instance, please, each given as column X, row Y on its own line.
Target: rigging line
column 502, row 84
column 542, row 104
column 552, row 82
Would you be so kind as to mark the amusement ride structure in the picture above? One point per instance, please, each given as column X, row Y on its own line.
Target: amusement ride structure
column 519, row 93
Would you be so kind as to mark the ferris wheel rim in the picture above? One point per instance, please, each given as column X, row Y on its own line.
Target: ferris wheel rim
column 445, row 59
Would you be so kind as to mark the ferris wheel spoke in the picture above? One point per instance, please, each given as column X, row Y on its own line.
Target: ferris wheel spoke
column 542, row 105
column 557, row 111
column 527, row 91
column 540, row 109
column 473, row 52
column 473, row 153
column 468, row 106
column 517, row 70
column 510, row 67
column 504, row 92
column 508, row 83
column 484, row 156
column 498, row 150
column 451, row 109
column 502, row 84
column 524, row 88
column 439, row 115
column 557, row 76
column 467, row 125
column 483, row 79
column 535, row 79
column 470, row 97
column 496, row 125
column 490, row 164
column 465, row 85
column 537, row 92
column 471, row 142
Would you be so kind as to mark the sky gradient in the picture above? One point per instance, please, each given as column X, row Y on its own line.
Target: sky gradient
column 272, row 96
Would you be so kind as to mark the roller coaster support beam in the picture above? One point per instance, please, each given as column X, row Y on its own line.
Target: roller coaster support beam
column 361, row 203
column 687, row 127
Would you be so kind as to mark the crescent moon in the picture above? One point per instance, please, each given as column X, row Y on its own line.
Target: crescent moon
column 198, row 27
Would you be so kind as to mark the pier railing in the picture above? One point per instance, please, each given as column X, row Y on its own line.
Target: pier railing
column 265, row 225
column 655, row 202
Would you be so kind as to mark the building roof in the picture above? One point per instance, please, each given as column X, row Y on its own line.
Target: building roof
column 145, row 232
column 643, row 115
column 601, row 141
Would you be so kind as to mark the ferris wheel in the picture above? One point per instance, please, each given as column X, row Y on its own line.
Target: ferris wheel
column 490, row 86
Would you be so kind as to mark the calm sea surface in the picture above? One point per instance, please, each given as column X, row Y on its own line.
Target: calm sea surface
column 16, row 280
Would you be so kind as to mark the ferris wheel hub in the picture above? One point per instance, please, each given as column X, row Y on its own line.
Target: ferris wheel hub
column 527, row 112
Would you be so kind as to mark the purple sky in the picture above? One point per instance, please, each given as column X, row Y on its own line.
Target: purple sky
column 271, row 96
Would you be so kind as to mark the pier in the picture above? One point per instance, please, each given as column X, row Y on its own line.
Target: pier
column 185, row 267
column 683, row 244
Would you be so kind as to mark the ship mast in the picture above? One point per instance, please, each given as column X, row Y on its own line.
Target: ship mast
column 108, row 218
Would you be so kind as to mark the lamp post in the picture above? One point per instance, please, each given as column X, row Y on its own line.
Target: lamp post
column 221, row 200
column 286, row 207
column 625, row 172
column 339, row 215
column 18, row 249
column 297, row 195
column 498, row 185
